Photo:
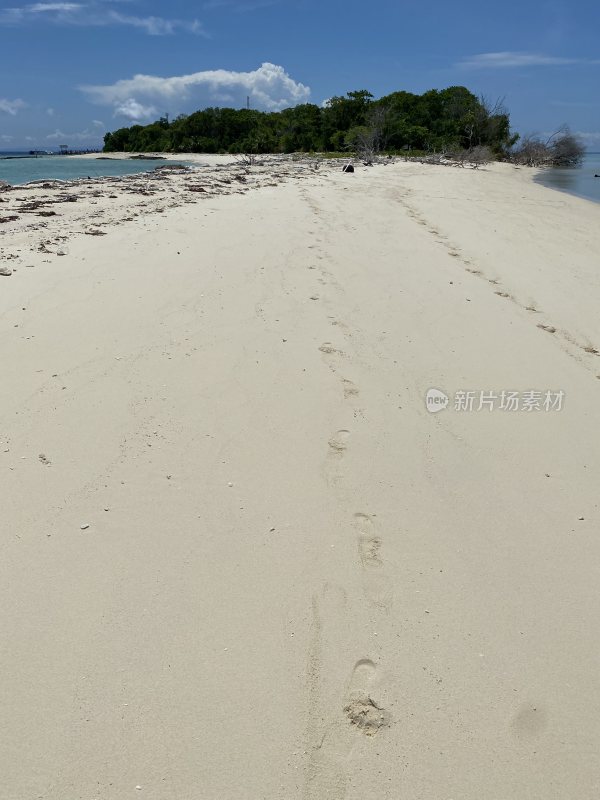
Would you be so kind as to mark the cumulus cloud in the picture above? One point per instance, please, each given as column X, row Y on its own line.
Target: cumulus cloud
column 95, row 14
column 507, row 59
column 11, row 107
column 269, row 87
column 134, row 111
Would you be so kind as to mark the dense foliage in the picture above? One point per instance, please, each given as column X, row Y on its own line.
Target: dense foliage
column 450, row 119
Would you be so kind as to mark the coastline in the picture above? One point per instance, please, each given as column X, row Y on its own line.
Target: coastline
column 249, row 556
column 565, row 181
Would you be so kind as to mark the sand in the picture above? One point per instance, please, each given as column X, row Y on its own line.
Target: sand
column 240, row 558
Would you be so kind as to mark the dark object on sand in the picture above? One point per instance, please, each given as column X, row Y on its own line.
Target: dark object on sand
column 596, row 176
column 348, row 168
column 147, row 158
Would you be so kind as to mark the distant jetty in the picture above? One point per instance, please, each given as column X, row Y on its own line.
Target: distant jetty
column 46, row 153
column 64, row 151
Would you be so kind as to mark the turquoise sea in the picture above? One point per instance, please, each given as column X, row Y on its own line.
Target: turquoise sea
column 580, row 181
column 15, row 170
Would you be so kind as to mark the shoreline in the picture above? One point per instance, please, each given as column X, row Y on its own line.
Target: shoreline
column 223, row 490
column 214, row 160
column 37, row 217
column 538, row 178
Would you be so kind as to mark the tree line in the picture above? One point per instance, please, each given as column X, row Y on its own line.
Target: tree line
column 451, row 120
column 434, row 121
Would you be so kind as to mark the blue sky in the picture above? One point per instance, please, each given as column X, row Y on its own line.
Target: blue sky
column 69, row 71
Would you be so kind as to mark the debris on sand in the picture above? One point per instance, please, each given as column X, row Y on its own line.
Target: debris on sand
column 171, row 168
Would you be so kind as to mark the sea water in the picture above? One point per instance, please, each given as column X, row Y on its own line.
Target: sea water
column 16, row 171
column 579, row 181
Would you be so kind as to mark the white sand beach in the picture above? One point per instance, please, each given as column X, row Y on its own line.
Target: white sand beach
column 240, row 558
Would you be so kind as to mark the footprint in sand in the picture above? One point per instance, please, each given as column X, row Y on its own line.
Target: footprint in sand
column 339, row 442
column 329, row 349
column 376, row 580
column 337, row 446
column 369, row 543
column 364, row 712
column 331, row 741
column 350, row 389
column 332, row 355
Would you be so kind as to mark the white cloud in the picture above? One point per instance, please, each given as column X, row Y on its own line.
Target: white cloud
column 223, row 97
column 156, row 26
column 98, row 123
column 94, row 14
column 80, row 136
column 5, row 138
column 269, row 87
column 58, row 11
column 50, row 112
column 11, row 106
column 134, row 111
column 508, row 59
column 44, row 8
